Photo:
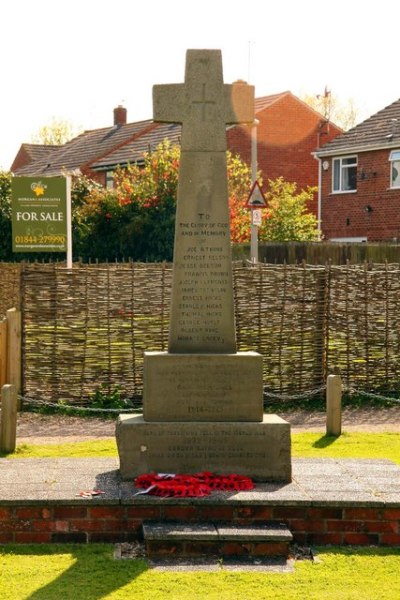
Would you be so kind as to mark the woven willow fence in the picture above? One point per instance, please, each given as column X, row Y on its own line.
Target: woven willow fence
column 89, row 327
column 9, row 287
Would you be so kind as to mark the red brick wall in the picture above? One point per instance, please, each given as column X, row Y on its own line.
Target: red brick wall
column 98, row 176
column 288, row 132
column 86, row 523
column 346, row 214
column 22, row 159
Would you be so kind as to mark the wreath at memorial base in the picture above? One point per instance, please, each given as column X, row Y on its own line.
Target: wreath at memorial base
column 189, row 486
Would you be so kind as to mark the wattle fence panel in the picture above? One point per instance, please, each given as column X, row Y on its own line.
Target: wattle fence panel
column 87, row 329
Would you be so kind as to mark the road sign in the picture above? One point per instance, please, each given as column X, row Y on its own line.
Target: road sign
column 256, row 217
column 256, row 197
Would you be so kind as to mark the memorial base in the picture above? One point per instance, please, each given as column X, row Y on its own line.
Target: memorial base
column 203, row 387
column 261, row 451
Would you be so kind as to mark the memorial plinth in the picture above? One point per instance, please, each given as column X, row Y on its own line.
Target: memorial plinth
column 203, row 400
column 259, row 450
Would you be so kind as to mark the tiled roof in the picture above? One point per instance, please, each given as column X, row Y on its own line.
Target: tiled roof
column 84, row 149
column 132, row 152
column 110, row 146
column 39, row 151
column 265, row 101
column 380, row 131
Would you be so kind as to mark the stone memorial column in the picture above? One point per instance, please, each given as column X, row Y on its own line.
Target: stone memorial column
column 202, row 315
column 203, row 400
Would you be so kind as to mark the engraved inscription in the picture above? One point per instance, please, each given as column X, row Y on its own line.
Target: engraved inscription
column 204, row 444
column 204, row 279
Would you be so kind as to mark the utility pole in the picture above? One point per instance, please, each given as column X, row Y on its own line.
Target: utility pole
column 254, row 228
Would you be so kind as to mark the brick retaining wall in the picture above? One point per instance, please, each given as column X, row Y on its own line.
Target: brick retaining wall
column 88, row 523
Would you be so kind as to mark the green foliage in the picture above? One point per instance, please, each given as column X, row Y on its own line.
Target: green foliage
column 5, row 214
column 287, row 217
column 104, row 397
column 239, row 186
column 136, row 219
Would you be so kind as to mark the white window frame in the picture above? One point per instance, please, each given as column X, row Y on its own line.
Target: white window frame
column 394, row 159
column 342, row 167
column 109, row 179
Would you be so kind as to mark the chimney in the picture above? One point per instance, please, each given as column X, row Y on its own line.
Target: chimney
column 120, row 114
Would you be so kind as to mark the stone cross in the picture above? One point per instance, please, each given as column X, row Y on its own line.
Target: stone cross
column 202, row 310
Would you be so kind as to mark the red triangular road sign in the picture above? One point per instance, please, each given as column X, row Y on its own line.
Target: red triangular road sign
column 256, row 197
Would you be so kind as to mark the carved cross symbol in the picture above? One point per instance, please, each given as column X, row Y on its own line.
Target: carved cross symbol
column 220, row 103
column 203, row 102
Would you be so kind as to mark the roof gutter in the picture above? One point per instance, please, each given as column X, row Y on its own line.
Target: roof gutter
column 351, row 150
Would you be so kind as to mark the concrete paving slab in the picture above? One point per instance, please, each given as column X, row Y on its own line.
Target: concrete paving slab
column 323, row 481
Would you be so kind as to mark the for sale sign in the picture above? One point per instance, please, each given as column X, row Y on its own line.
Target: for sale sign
column 39, row 214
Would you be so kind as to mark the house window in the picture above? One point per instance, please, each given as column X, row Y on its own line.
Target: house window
column 109, row 179
column 395, row 169
column 345, row 174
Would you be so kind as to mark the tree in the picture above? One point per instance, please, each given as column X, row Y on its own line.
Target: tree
column 239, row 186
column 137, row 218
column 57, row 133
column 287, row 218
column 343, row 114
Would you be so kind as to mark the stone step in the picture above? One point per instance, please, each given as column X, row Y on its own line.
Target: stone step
column 180, row 539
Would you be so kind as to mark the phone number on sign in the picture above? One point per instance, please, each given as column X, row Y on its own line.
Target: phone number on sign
column 40, row 239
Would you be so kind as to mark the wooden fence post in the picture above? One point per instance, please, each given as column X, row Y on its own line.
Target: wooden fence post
column 14, row 371
column 334, row 405
column 3, row 353
column 321, row 324
column 8, row 425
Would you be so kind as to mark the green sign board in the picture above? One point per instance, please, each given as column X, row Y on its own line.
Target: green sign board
column 39, row 214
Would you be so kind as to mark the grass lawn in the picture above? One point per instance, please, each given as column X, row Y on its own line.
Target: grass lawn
column 74, row 572
column 91, row 573
column 348, row 445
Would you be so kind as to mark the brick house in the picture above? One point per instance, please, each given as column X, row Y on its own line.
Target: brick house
column 287, row 133
column 359, row 198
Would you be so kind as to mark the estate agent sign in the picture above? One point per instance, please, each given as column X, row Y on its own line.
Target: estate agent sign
column 39, row 214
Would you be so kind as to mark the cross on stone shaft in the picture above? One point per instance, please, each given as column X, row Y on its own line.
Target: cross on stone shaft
column 220, row 103
column 202, row 311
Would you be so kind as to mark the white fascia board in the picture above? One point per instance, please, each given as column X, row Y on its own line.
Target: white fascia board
column 354, row 150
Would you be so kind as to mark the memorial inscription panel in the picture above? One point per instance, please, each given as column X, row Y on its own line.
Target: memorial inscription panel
column 202, row 387
column 259, row 450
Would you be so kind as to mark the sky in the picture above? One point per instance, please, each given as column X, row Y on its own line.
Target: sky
column 77, row 60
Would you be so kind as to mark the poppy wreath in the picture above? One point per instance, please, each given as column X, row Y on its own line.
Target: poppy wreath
column 198, row 485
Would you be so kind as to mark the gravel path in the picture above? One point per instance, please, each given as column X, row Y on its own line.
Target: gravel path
column 34, row 428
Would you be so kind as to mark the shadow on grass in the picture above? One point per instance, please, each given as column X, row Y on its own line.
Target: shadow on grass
column 325, row 441
column 93, row 575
